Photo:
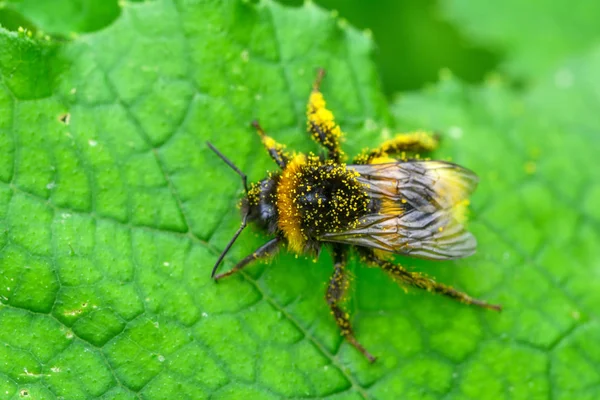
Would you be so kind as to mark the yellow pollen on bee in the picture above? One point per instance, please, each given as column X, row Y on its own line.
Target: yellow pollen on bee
column 382, row 160
column 269, row 141
column 289, row 220
column 425, row 140
column 316, row 100
column 324, row 115
column 323, row 118
column 460, row 210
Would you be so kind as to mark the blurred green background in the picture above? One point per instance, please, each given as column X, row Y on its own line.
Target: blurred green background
column 414, row 41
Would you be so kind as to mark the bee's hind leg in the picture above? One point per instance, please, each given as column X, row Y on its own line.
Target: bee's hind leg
column 420, row 281
column 321, row 122
column 264, row 251
column 413, row 142
column 338, row 284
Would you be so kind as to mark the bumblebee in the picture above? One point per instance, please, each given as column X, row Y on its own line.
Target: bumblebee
column 382, row 203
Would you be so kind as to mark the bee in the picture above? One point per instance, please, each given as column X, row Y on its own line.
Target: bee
column 382, row 203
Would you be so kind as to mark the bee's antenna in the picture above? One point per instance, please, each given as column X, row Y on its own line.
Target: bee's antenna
column 244, row 219
column 233, row 239
column 231, row 165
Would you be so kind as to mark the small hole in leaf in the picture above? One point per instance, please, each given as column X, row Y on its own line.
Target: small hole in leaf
column 65, row 118
column 24, row 393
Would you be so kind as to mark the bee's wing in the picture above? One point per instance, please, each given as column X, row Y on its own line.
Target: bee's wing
column 413, row 233
column 424, row 185
column 419, row 210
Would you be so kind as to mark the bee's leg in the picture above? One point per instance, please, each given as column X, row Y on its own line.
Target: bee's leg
column 338, row 284
column 412, row 142
column 264, row 251
column 321, row 123
column 276, row 150
column 422, row 282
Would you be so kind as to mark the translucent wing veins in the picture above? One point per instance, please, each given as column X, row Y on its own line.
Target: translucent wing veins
column 419, row 212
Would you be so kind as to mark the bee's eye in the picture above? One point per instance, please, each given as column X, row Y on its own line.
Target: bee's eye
column 267, row 211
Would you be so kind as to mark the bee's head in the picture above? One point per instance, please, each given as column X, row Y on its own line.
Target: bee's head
column 260, row 203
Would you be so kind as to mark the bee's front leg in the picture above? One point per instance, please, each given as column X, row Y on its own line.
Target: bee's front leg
column 338, row 285
column 264, row 251
column 275, row 149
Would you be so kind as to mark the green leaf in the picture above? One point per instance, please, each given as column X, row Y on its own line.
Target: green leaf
column 113, row 211
column 59, row 17
column 536, row 35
